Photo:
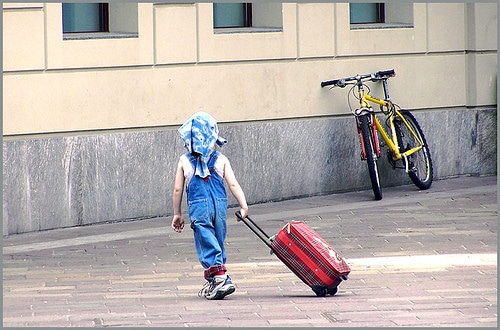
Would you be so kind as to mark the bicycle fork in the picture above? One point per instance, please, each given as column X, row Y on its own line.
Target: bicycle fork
column 369, row 113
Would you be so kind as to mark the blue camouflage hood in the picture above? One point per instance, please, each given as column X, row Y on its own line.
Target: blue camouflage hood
column 200, row 135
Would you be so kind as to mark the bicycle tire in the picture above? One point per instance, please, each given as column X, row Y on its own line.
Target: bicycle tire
column 371, row 159
column 420, row 162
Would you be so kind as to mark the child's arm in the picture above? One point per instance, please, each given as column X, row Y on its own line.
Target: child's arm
column 177, row 220
column 235, row 187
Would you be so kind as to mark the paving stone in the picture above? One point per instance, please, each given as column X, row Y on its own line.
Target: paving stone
column 152, row 277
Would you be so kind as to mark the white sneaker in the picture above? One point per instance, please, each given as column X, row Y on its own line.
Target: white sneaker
column 220, row 287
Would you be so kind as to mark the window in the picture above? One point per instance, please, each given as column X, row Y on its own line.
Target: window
column 230, row 15
column 248, row 17
column 381, row 15
column 117, row 19
column 367, row 13
column 85, row 17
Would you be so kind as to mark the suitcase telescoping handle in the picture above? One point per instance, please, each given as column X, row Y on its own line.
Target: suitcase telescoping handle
column 255, row 228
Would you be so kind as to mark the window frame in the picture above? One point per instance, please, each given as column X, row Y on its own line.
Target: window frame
column 104, row 17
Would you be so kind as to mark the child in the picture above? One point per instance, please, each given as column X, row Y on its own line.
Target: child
column 202, row 170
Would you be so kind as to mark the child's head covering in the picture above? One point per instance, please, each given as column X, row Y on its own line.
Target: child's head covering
column 200, row 134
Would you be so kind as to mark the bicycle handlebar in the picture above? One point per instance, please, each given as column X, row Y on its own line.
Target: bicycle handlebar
column 383, row 74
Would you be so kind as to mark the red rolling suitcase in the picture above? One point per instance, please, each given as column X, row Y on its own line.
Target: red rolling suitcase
column 307, row 254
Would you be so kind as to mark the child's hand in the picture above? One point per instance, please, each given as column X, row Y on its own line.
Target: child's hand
column 243, row 212
column 177, row 223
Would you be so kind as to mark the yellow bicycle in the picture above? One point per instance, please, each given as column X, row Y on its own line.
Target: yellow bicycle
column 407, row 147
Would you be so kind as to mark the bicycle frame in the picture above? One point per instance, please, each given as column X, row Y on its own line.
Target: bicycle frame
column 391, row 143
column 392, row 112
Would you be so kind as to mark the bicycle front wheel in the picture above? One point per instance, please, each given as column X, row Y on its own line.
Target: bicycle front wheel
column 419, row 163
column 371, row 158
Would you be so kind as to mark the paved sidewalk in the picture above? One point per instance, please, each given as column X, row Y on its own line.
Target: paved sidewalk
column 418, row 259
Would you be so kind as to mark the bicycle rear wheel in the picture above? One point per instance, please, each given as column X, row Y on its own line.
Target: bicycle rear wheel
column 420, row 162
column 371, row 158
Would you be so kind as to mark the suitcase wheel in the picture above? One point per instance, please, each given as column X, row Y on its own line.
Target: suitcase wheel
column 320, row 290
column 332, row 291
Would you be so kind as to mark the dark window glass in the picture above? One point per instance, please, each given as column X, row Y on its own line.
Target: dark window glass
column 228, row 15
column 85, row 17
column 367, row 13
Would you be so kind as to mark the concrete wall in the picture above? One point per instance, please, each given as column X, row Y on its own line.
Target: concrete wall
column 66, row 181
column 89, row 129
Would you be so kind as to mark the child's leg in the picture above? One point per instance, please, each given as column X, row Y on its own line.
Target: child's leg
column 220, row 284
column 220, row 234
column 220, row 225
column 207, row 245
